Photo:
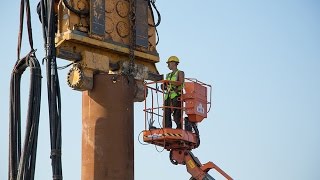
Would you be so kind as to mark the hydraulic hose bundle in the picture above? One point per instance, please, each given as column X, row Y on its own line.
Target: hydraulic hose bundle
column 22, row 161
column 48, row 19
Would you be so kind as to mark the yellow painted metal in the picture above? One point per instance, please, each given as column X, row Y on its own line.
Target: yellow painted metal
column 95, row 62
column 74, row 77
column 74, row 36
column 80, row 79
column 78, row 48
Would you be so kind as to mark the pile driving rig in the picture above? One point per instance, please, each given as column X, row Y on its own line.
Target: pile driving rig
column 111, row 48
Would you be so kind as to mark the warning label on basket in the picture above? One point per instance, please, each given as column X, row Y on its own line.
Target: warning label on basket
column 200, row 108
column 154, row 136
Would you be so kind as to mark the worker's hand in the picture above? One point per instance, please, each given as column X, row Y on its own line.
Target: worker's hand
column 163, row 86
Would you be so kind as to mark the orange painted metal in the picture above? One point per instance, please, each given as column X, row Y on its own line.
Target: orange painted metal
column 210, row 165
column 170, row 138
column 180, row 142
column 178, row 156
column 107, row 132
column 194, row 167
column 150, row 86
column 195, row 98
column 166, row 137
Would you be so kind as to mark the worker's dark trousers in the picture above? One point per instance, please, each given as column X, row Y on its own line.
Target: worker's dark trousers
column 176, row 112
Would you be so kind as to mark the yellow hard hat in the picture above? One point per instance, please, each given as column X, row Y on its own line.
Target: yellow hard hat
column 173, row 59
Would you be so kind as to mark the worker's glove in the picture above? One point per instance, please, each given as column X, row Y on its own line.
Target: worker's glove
column 163, row 86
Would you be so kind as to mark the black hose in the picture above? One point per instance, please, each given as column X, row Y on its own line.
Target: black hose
column 72, row 9
column 48, row 17
column 22, row 163
column 196, row 130
column 173, row 161
column 42, row 14
column 151, row 3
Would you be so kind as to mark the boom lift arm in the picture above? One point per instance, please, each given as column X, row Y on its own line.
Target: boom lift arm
column 197, row 170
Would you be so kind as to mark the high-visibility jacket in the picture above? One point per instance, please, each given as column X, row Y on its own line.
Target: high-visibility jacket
column 173, row 90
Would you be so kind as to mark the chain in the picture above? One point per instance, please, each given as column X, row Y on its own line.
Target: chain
column 132, row 21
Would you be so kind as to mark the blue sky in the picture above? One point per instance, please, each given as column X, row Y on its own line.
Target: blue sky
column 263, row 60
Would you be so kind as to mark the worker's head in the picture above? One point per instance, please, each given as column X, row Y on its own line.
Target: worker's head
column 173, row 62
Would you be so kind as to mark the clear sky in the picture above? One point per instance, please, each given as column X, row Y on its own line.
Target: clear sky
column 263, row 60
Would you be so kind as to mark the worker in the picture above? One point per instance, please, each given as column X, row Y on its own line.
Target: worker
column 173, row 92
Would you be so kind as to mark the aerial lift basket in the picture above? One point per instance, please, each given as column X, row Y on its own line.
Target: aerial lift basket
column 193, row 104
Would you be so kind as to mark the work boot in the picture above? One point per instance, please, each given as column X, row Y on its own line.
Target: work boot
column 187, row 124
column 152, row 127
column 179, row 126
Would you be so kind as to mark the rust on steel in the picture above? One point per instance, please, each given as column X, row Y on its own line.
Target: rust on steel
column 107, row 129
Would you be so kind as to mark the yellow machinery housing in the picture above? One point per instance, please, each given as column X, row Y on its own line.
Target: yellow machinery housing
column 99, row 41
